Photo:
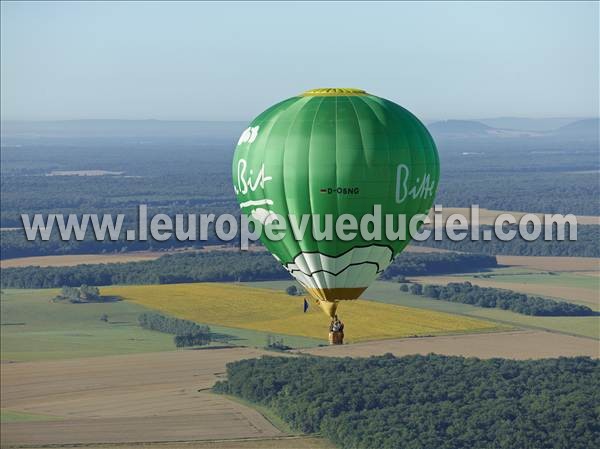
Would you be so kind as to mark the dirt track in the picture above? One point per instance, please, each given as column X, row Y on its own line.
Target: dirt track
column 133, row 398
column 515, row 345
column 548, row 263
column 70, row 260
column 80, row 259
column 292, row 442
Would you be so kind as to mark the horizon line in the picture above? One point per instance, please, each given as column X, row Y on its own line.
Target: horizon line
column 557, row 117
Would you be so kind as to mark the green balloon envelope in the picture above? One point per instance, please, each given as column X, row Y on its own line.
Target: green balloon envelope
column 335, row 152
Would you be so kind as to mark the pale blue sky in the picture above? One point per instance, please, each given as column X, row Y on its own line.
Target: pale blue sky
column 227, row 61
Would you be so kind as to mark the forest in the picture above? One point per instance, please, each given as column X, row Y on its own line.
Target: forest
column 217, row 266
column 191, row 173
column 557, row 176
column 420, row 264
column 467, row 293
column 424, row 402
column 13, row 244
column 586, row 244
column 221, row 266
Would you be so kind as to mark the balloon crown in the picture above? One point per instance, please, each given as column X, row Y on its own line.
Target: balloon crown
column 333, row 91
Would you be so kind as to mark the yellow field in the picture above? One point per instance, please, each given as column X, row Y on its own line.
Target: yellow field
column 272, row 311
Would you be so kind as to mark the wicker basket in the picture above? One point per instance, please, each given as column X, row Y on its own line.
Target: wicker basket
column 336, row 338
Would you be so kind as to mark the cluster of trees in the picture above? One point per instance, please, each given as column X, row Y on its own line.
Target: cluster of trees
column 187, row 333
column 218, row 266
column 418, row 264
column 467, row 293
column 293, row 290
column 170, row 325
column 424, row 402
column 84, row 293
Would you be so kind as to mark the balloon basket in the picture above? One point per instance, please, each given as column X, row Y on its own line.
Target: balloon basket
column 336, row 338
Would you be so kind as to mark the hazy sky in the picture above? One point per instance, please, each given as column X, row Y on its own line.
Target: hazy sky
column 221, row 61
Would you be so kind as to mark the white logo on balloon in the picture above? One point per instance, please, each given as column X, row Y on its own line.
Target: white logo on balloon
column 249, row 135
column 247, row 182
column 421, row 189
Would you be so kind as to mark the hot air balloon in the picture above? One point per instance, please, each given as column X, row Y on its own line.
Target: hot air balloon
column 336, row 152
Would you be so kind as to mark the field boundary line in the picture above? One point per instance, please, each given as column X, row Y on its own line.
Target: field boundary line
column 162, row 443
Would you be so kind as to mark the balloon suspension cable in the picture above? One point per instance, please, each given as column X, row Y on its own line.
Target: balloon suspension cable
column 329, row 307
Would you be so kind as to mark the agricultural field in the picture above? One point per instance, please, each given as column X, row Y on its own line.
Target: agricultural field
column 12, row 416
column 389, row 293
column 580, row 288
column 131, row 397
column 70, row 260
column 147, row 397
column 519, row 345
column 587, row 326
column 35, row 328
column 272, row 311
column 574, row 279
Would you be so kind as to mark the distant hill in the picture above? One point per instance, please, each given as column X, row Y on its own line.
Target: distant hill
column 585, row 128
column 529, row 124
column 469, row 129
column 459, row 127
column 208, row 130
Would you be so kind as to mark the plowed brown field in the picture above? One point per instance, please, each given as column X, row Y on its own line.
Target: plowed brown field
column 133, row 398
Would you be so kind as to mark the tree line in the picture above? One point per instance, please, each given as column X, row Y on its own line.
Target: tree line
column 419, row 264
column 218, row 266
column 424, row 402
column 488, row 297
column 187, row 333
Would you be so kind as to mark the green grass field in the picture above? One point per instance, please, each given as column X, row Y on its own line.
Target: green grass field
column 389, row 292
column 34, row 328
column 12, row 416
